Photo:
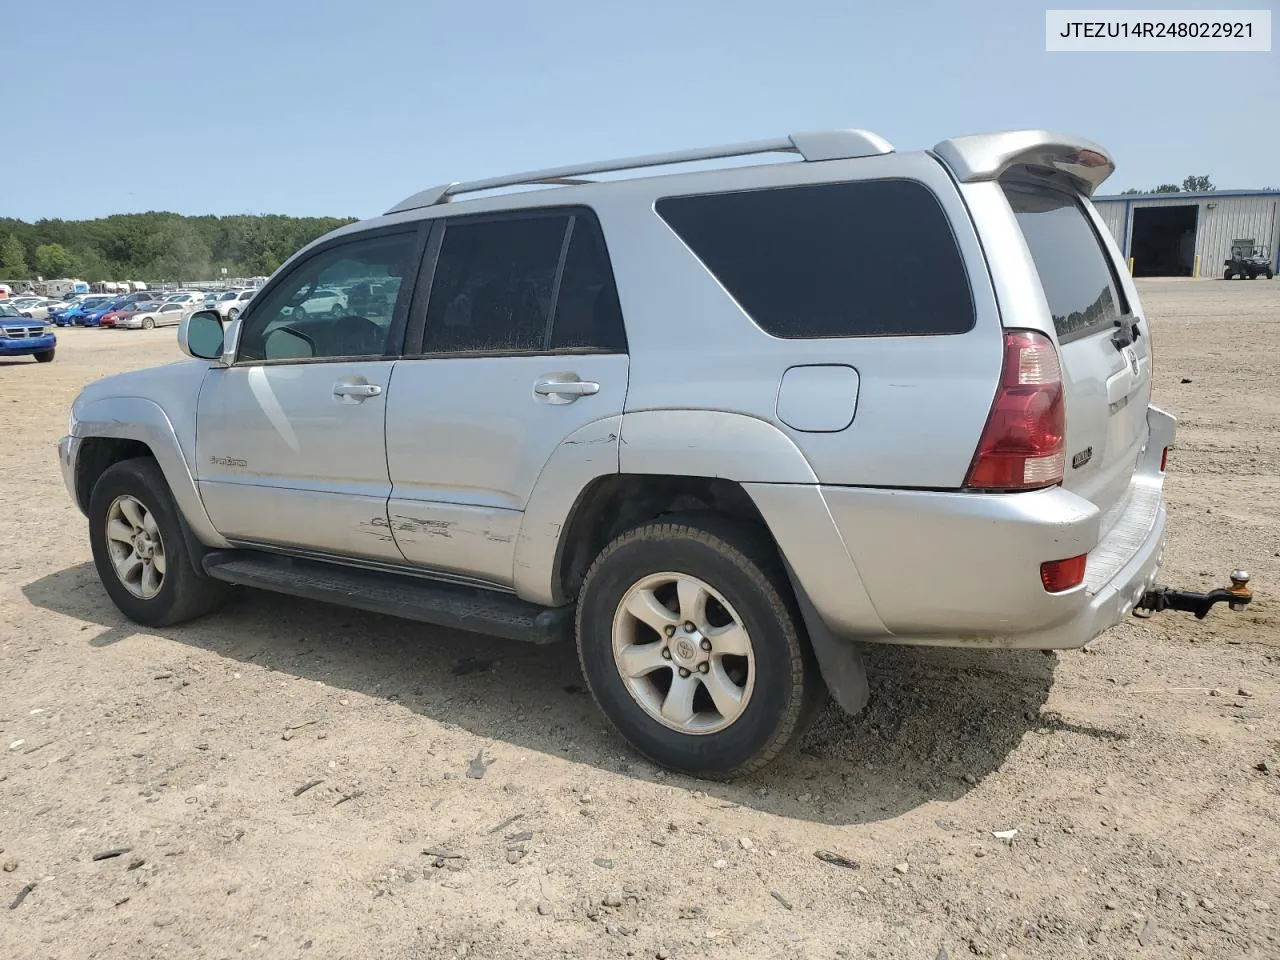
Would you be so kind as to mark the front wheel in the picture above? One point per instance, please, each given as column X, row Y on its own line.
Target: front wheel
column 148, row 323
column 1227, row 274
column 139, row 550
column 691, row 644
column 44, row 356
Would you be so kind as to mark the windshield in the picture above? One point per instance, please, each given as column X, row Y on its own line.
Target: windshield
column 8, row 311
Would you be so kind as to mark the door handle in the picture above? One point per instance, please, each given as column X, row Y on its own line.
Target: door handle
column 566, row 390
column 356, row 391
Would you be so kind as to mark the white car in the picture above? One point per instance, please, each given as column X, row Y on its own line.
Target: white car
column 37, row 308
column 325, row 301
column 168, row 314
column 190, row 301
column 232, row 303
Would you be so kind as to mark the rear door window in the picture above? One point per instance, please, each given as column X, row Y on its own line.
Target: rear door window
column 871, row 258
column 537, row 283
column 1074, row 269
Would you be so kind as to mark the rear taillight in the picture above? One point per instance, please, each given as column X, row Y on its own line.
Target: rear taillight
column 1059, row 575
column 1022, row 444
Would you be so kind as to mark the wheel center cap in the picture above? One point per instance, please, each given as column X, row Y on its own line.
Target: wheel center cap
column 685, row 651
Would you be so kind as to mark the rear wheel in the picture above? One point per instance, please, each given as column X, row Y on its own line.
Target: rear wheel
column 1227, row 274
column 140, row 551
column 336, row 311
column 232, row 313
column 692, row 646
column 44, row 356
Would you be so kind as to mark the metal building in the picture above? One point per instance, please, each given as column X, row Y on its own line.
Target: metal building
column 1191, row 234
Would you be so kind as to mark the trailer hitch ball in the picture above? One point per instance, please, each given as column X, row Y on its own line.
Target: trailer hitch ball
column 1240, row 588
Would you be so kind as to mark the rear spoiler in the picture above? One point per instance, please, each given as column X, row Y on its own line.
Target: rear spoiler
column 987, row 156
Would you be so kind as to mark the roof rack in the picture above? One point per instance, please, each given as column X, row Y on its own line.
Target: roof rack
column 821, row 145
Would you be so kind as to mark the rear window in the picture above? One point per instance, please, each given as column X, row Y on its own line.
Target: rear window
column 1074, row 270
column 873, row 258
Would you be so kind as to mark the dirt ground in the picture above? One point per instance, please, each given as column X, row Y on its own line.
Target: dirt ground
column 291, row 780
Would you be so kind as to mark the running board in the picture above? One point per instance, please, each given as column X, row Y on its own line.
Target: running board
column 396, row 595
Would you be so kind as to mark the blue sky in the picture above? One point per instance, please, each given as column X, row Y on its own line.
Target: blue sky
column 343, row 107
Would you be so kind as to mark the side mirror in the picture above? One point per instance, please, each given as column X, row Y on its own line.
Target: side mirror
column 200, row 335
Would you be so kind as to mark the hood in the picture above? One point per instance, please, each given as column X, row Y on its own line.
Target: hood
column 153, row 383
column 20, row 322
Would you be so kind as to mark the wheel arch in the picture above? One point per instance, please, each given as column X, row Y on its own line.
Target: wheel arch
column 697, row 457
column 121, row 428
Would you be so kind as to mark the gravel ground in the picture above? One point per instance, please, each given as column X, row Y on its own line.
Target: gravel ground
column 292, row 780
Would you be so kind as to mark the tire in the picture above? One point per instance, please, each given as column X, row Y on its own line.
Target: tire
column 336, row 311
column 1270, row 273
column 148, row 323
column 232, row 313
column 181, row 594
column 746, row 581
column 1226, row 274
column 45, row 356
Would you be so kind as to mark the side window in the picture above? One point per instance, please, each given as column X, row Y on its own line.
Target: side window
column 872, row 258
column 588, row 315
column 493, row 285
column 282, row 327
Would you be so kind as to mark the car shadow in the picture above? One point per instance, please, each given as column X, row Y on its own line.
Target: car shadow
column 939, row 720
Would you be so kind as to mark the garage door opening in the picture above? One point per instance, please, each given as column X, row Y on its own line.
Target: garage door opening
column 1164, row 241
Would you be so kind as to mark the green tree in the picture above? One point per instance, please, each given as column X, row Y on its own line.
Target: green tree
column 1125, row 193
column 52, row 260
column 1167, row 188
column 13, row 259
column 1198, row 185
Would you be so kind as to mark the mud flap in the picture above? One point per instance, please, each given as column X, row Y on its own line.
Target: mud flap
column 840, row 661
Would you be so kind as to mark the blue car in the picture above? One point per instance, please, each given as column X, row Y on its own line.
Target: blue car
column 92, row 317
column 23, row 337
column 75, row 314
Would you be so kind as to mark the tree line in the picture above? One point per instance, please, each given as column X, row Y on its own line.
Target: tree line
column 1189, row 185
column 154, row 246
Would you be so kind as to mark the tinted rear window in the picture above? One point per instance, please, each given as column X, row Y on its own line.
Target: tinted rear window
column 868, row 259
column 1074, row 270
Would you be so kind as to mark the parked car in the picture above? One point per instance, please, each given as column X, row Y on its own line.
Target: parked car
column 188, row 299
column 325, row 301
column 232, row 303
column 75, row 314
column 769, row 443
column 111, row 318
column 24, row 337
column 92, row 317
column 153, row 315
column 37, row 308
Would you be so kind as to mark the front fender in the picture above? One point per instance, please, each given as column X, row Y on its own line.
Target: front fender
column 136, row 418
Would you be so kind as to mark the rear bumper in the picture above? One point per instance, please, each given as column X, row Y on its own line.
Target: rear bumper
column 963, row 569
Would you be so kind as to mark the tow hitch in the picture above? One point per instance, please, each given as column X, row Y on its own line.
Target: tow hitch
column 1236, row 596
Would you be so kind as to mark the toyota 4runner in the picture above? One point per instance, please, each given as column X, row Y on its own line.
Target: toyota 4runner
column 719, row 426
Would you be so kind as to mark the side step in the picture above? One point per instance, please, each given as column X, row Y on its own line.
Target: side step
column 397, row 595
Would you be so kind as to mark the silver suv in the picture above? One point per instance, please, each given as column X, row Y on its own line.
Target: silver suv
column 718, row 426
